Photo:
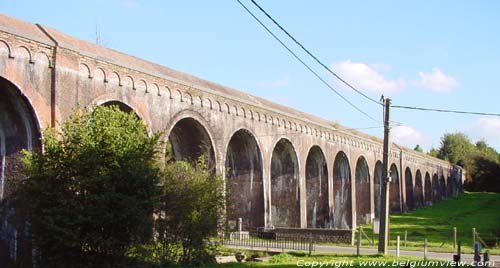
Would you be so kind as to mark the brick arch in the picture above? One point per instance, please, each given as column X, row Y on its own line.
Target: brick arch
column 285, row 192
column 190, row 136
column 395, row 189
column 317, row 189
column 244, row 179
column 134, row 106
column 409, row 189
column 342, row 192
column 362, row 181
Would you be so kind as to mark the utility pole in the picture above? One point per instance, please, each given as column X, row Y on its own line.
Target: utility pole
column 383, row 237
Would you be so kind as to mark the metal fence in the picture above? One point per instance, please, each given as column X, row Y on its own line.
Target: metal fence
column 269, row 240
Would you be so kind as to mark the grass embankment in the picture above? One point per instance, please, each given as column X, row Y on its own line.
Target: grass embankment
column 294, row 259
column 436, row 222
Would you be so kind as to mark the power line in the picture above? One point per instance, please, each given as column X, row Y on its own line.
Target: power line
column 310, row 54
column 303, row 63
column 442, row 110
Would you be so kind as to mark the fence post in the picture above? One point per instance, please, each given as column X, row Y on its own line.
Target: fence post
column 358, row 244
column 397, row 246
column 310, row 243
column 454, row 237
column 473, row 237
column 425, row 249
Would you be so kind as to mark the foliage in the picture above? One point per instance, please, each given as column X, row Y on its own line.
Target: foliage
column 433, row 152
column 188, row 212
column 480, row 161
column 455, row 147
column 89, row 194
column 418, row 148
column 486, row 176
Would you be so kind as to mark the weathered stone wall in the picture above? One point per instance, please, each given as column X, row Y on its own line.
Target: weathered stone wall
column 276, row 183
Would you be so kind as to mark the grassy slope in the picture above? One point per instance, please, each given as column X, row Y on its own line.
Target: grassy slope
column 468, row 210
column 289, row 260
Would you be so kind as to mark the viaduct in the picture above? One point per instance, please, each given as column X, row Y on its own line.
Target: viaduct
column 283, row 168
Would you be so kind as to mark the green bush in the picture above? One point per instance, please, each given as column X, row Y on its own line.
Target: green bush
column 89, row 194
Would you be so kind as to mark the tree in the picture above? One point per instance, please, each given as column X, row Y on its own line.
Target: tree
column 89, row 194
column 433, row 152
column 189, row 210
column 455, row 147
column 418, row 148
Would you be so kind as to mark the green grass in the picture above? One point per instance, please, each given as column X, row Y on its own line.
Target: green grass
column 467, row 211
column 295, row 259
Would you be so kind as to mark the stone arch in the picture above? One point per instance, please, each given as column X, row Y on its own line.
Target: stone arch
column 377, row 187
column 342, row 201
column 362, row 180
column 84, row 70
column 23, row 52
column 100, row 75
column 428, row 189
column 285, row 194
column 442, row 188
column 435, row 188
column 5, row 49
column 189, row 98
column 114, row 79
column 188, row 140
column 244, row 180
column 394, row 193
column 107, row 100
column 410, row 202
column 142, row 85
column 19, row 130
column 42, row 58
column 128, row 82
column 418, row 193
column 317, row 189
column 449, row 187
column 156, row 87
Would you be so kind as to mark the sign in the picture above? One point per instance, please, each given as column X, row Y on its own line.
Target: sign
column 376, row 226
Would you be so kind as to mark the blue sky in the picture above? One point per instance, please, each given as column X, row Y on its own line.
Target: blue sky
column 440, row 54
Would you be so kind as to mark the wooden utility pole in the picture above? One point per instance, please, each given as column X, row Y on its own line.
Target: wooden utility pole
column 384, row 202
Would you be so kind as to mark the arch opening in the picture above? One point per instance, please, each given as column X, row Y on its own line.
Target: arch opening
column 442, row 188
column 418, row 194
column 244, row 180
column 317, row 189
column 377, row 187
column 19, row 130
column 342, row 204
column 428, row 189
column 285, row 194
column 435, row 188
column 362, row 180
column 188, row 141
column 410, row 202
column 394, row 193
column 450, row 186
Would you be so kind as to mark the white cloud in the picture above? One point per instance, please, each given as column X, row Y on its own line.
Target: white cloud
column 409, row 137
column 278, row 83
column 366, row 77
column 437, row 81
column 485, row 128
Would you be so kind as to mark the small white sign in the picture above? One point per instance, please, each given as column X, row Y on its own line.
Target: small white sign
column 376, row 226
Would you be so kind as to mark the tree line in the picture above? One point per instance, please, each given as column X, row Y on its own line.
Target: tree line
column 481, row 161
